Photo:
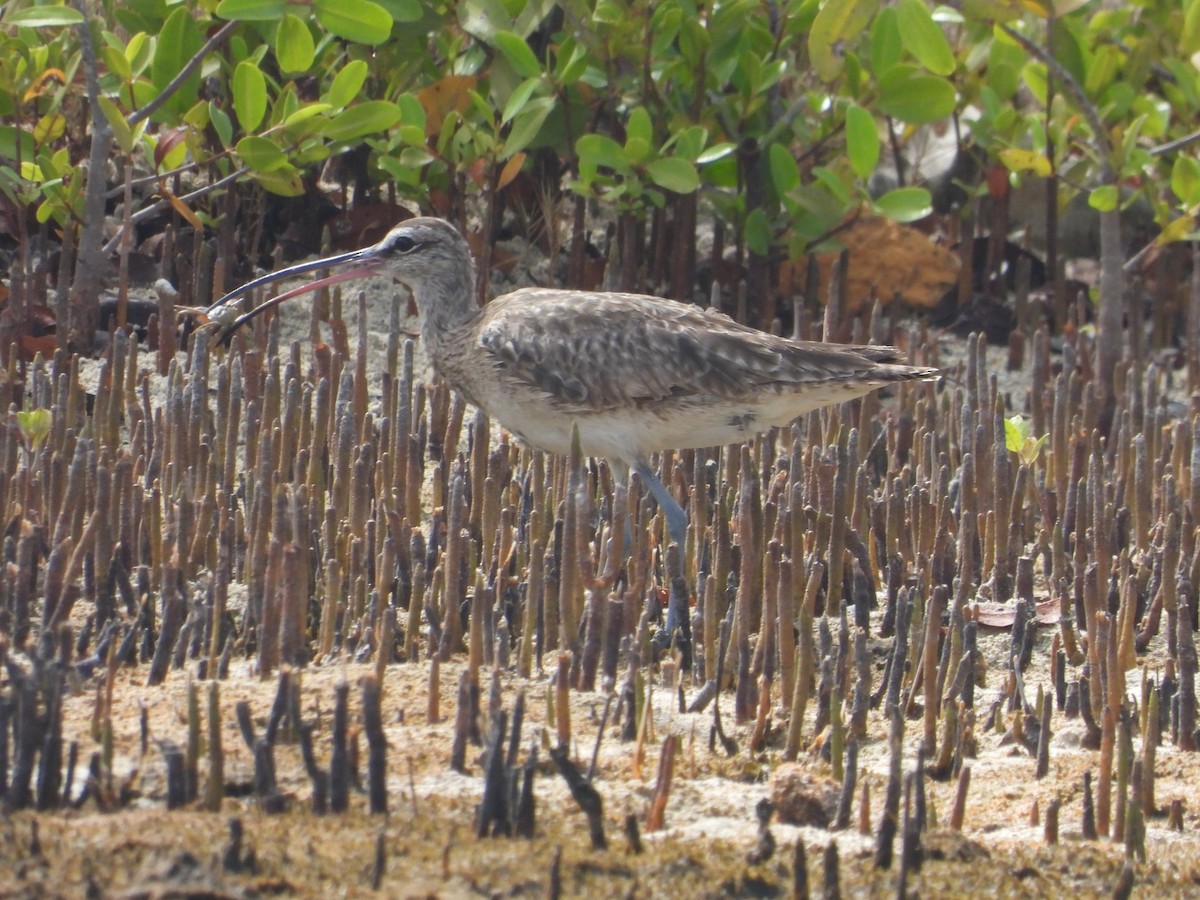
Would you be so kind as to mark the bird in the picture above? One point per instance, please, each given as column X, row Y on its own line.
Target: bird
column 634, row 374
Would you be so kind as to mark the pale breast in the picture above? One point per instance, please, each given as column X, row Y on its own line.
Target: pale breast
column 635, row 431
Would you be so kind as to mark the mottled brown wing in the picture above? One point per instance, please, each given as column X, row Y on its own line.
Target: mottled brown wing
column 593, row 351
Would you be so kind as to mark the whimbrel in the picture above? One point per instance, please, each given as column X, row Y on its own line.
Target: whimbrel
column 636, row 374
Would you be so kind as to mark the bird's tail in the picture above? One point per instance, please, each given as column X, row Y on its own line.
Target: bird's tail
column 877, row 353
column 897, row 368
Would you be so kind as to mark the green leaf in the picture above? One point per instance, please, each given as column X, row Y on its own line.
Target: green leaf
column 637, row 150
column 527, row 125
column 1016, row 430
column 674, row 174
column 294, row 45
column 360, row 21
column 1181, row 229
column 1155, row 114
column 1185, row 180
column 999, row 10
column 923, row 37
column 284, row 181
column 758, row 232
column 44, row 17
column 1189, row 38
column 1019, row 159
column 690, row 142
column 221, row 124
column 835, row 186
column 1004, row 62
column 346, row 84
column 261, row 154
column 1034, row 75
column 639, row 126
column 905, row 204
column 838, row 22
column 518, row 54
column 305, row 113
column 1069, row 47
column 138, row 51
column 117, row 63
column 363, row 119
column 178, row 41
column 716, row 153
column 639, row 136
column 572, row 61
column 785, row 173
column 518, row 99
column 1106, row 64
column 600, row 150
column 122, row 133
column 252, row 10
column 1104, row 198
column 609, row 12
column 399, row 172
column 908, row 94
column 49, row 127
column 886, row 44
column 34, row 425
column 404, row 10
column 412, row 113
column 59, row 162
column 483, row 18
column 249, row 95
column 862, row 141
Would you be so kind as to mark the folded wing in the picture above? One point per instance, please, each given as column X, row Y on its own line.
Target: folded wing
column 597, row 351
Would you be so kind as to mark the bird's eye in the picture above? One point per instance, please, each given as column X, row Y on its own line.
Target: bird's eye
column 403, row 244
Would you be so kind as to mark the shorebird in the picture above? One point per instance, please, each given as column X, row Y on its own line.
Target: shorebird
column 635, row 374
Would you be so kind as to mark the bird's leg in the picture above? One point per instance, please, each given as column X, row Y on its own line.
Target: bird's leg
column 677, row 625
column 677, row 519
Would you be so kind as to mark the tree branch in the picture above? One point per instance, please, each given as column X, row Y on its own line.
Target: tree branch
column 1079, row 97
column 163, row 204
column 1110, row 314
column 189, row 67
column 1177, row 144
column 84, row 311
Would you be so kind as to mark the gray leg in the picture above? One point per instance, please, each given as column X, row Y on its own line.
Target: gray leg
column 676, row 518
column 676, row 628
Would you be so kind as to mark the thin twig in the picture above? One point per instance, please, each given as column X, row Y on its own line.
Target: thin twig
column 1177, row 144
column 1100, row 143
column 175, row 83
column 159, row 176
column 163, row 204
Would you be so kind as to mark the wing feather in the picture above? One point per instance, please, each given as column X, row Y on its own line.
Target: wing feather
column 594, row 351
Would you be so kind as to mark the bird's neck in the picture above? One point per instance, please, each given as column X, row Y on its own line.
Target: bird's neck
column 448, row 308
column 447, row 303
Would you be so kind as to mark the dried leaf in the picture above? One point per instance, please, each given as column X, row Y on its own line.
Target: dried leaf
column 445, row 95
column 167, row 141
column 183, row 209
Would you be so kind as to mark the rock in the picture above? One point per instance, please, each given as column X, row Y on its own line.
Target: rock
column 889, row 261
column 802, row 797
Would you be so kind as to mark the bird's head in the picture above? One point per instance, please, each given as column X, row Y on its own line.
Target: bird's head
column 429, row 255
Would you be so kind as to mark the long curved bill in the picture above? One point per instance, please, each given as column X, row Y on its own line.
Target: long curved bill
column 364, row 263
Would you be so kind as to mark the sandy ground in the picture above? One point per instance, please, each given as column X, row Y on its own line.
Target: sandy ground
column 429, row 847
column 428, row 837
